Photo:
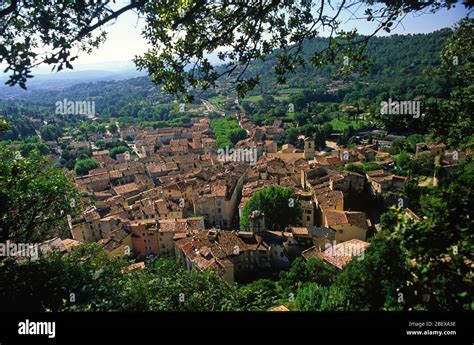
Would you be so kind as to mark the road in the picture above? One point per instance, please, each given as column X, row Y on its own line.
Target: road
column 212, row 108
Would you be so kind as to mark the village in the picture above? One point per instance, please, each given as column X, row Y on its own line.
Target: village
column 177, row 196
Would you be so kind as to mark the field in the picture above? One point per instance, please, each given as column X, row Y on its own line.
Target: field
column 343, row 123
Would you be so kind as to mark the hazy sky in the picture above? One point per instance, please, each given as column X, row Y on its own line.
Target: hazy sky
column 125, row 41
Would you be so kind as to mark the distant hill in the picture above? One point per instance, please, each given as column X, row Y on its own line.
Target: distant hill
column 399, row 65
column 400, row 62
column 65, row 79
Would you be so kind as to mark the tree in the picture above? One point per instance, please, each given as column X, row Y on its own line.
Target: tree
column 398, row 145
column 36, row 197
column 99, row 282
column 236, row 135
column 419, row 265
column 3, row 125
column 228, row 131
column 313, row 297
column 375, row 281
column 113, row 128
column 256, row 296
column 451, row 119
column 50, row 132
column 279, row 204
column 117, row 150
column 83, row 166
column 182, row 32
column 412, row 140
column 440, row 245
column 403, row 160
column 314, row 270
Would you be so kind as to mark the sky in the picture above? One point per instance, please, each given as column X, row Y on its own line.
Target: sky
column 125, row 41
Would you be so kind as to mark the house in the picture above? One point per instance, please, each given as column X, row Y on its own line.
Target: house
column 87, row 227
column 423, row 149
column 387, row 140
column 381, row 182
column 339, row 255
column 172, row 229
column 233, row 255
column 305, row 199
column 119, row 244
column 347, row 225
column 327, row 200
column 145, row 238
column 218, row 198
column 136, row 266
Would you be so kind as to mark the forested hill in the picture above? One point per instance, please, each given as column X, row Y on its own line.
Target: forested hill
column 400, row 63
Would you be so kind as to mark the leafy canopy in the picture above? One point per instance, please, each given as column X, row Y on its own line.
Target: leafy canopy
column 182, row 33
column 279, row 204
column 36, row 197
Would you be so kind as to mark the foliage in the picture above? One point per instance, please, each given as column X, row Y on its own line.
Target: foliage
column 228, row 132
column 362, row 168
column 51, row 132
column 113, row 128
column 117, row 150
column 101, row 283
column 313, row 297
column 451, row 120
column 440, row 246
column 83, row 166
column 256, row 296
column 373, row 282
column 36, row 197
column 279, row 204
column 314, row 270
column 189, row 30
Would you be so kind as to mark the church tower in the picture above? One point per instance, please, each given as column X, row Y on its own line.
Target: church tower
column 308, row 148
column 256, row 221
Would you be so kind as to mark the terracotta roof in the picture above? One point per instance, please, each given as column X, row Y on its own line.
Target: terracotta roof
column 181, row 225
column 300, row 231
column 279, row 308
column 310, row 253
column 126, row 188
column 377, row 173
column 138, row 265
column 100, row 153
column 330, row 199
column 335, row 218
column 341, row 254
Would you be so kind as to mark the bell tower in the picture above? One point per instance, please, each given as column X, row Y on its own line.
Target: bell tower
column 308, row 148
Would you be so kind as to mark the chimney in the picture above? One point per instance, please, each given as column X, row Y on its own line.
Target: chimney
column 212, row 235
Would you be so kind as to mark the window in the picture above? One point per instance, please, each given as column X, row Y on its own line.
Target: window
column 281, row 254
column 163, row 246
column 308, row 218
column 341, row 231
